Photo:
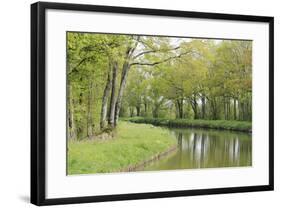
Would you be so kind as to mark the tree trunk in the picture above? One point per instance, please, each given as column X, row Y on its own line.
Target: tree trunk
column 138, row 108
column 241, row 111
column 145, row 107
column 131, row 111
column 181, row 103
column 203, row 100
column 177, row 109
column 250, row 109
column 234, row 109
column 194, row 107
column 228, row 109
column 125, row 70
column 113, row 95
column 214, row 108
column 124, row 75
column 195, row 112
column 90, row 114
column 225, row 109
column 104, row 100
column 71, row 123
column 180, row 107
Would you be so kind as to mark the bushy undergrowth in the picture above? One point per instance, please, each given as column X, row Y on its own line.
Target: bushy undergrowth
column 213, row 124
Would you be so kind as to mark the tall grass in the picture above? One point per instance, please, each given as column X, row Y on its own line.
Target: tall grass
column 134, row 143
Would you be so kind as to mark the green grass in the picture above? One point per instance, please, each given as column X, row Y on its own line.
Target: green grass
column 213, row 124
column 133, row 144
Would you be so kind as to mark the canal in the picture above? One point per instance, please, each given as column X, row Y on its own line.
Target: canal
column 206, row 148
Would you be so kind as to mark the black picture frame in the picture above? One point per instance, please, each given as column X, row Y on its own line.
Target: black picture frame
column 38, row 102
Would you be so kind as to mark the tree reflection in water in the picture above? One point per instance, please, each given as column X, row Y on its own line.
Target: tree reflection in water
column 199, row 148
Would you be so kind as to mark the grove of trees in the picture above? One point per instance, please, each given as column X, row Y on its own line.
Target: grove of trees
column 111, row 76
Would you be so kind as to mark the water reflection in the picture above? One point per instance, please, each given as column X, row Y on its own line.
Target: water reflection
column 207, row 149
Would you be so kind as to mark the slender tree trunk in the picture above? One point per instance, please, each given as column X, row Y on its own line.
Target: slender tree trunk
column 125, row 71
column 131, row 111
column 138, row 107
column 124, row 75
column 203, row 100
column 71, row 122
column 234, row 109
column 113, row 95
column 243, row 113
column 138, row 110
column 105, row 100
column 177, row 109
column 181, row 101
column 195, row 112
column 214, row 108
column 90, row 114
column 145, row 107
column 225, row 108
column 250, row 109
column 194, row 106
column 180, row 107
column 239, row 110
column 228, row 109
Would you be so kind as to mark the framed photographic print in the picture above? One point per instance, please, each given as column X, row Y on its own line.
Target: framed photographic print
column 134, row 103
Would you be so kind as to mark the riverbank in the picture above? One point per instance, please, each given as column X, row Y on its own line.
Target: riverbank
column 244, row 126
column 133, row 146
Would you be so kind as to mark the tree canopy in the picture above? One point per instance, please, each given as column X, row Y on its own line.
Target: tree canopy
column 111, row 76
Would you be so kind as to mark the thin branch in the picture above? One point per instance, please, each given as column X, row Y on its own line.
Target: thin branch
column 80, row 63
column 144, row 52
column 155, row 51
column 159, row 62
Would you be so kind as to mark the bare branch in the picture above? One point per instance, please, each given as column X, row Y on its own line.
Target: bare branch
column 144, row 52
column 159, row 62
column 75, row 69
column 155, row 51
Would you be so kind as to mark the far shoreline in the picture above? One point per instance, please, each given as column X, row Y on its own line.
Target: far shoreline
column 230, row 125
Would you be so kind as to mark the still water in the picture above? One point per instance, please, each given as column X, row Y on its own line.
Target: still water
column 199, row 148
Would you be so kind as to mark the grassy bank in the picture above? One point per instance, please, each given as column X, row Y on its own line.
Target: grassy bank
column 134, row 143
column 213, row 124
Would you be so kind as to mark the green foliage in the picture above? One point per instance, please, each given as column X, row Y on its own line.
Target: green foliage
column 213, row 78
column 162, row 77
column 133, row 144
